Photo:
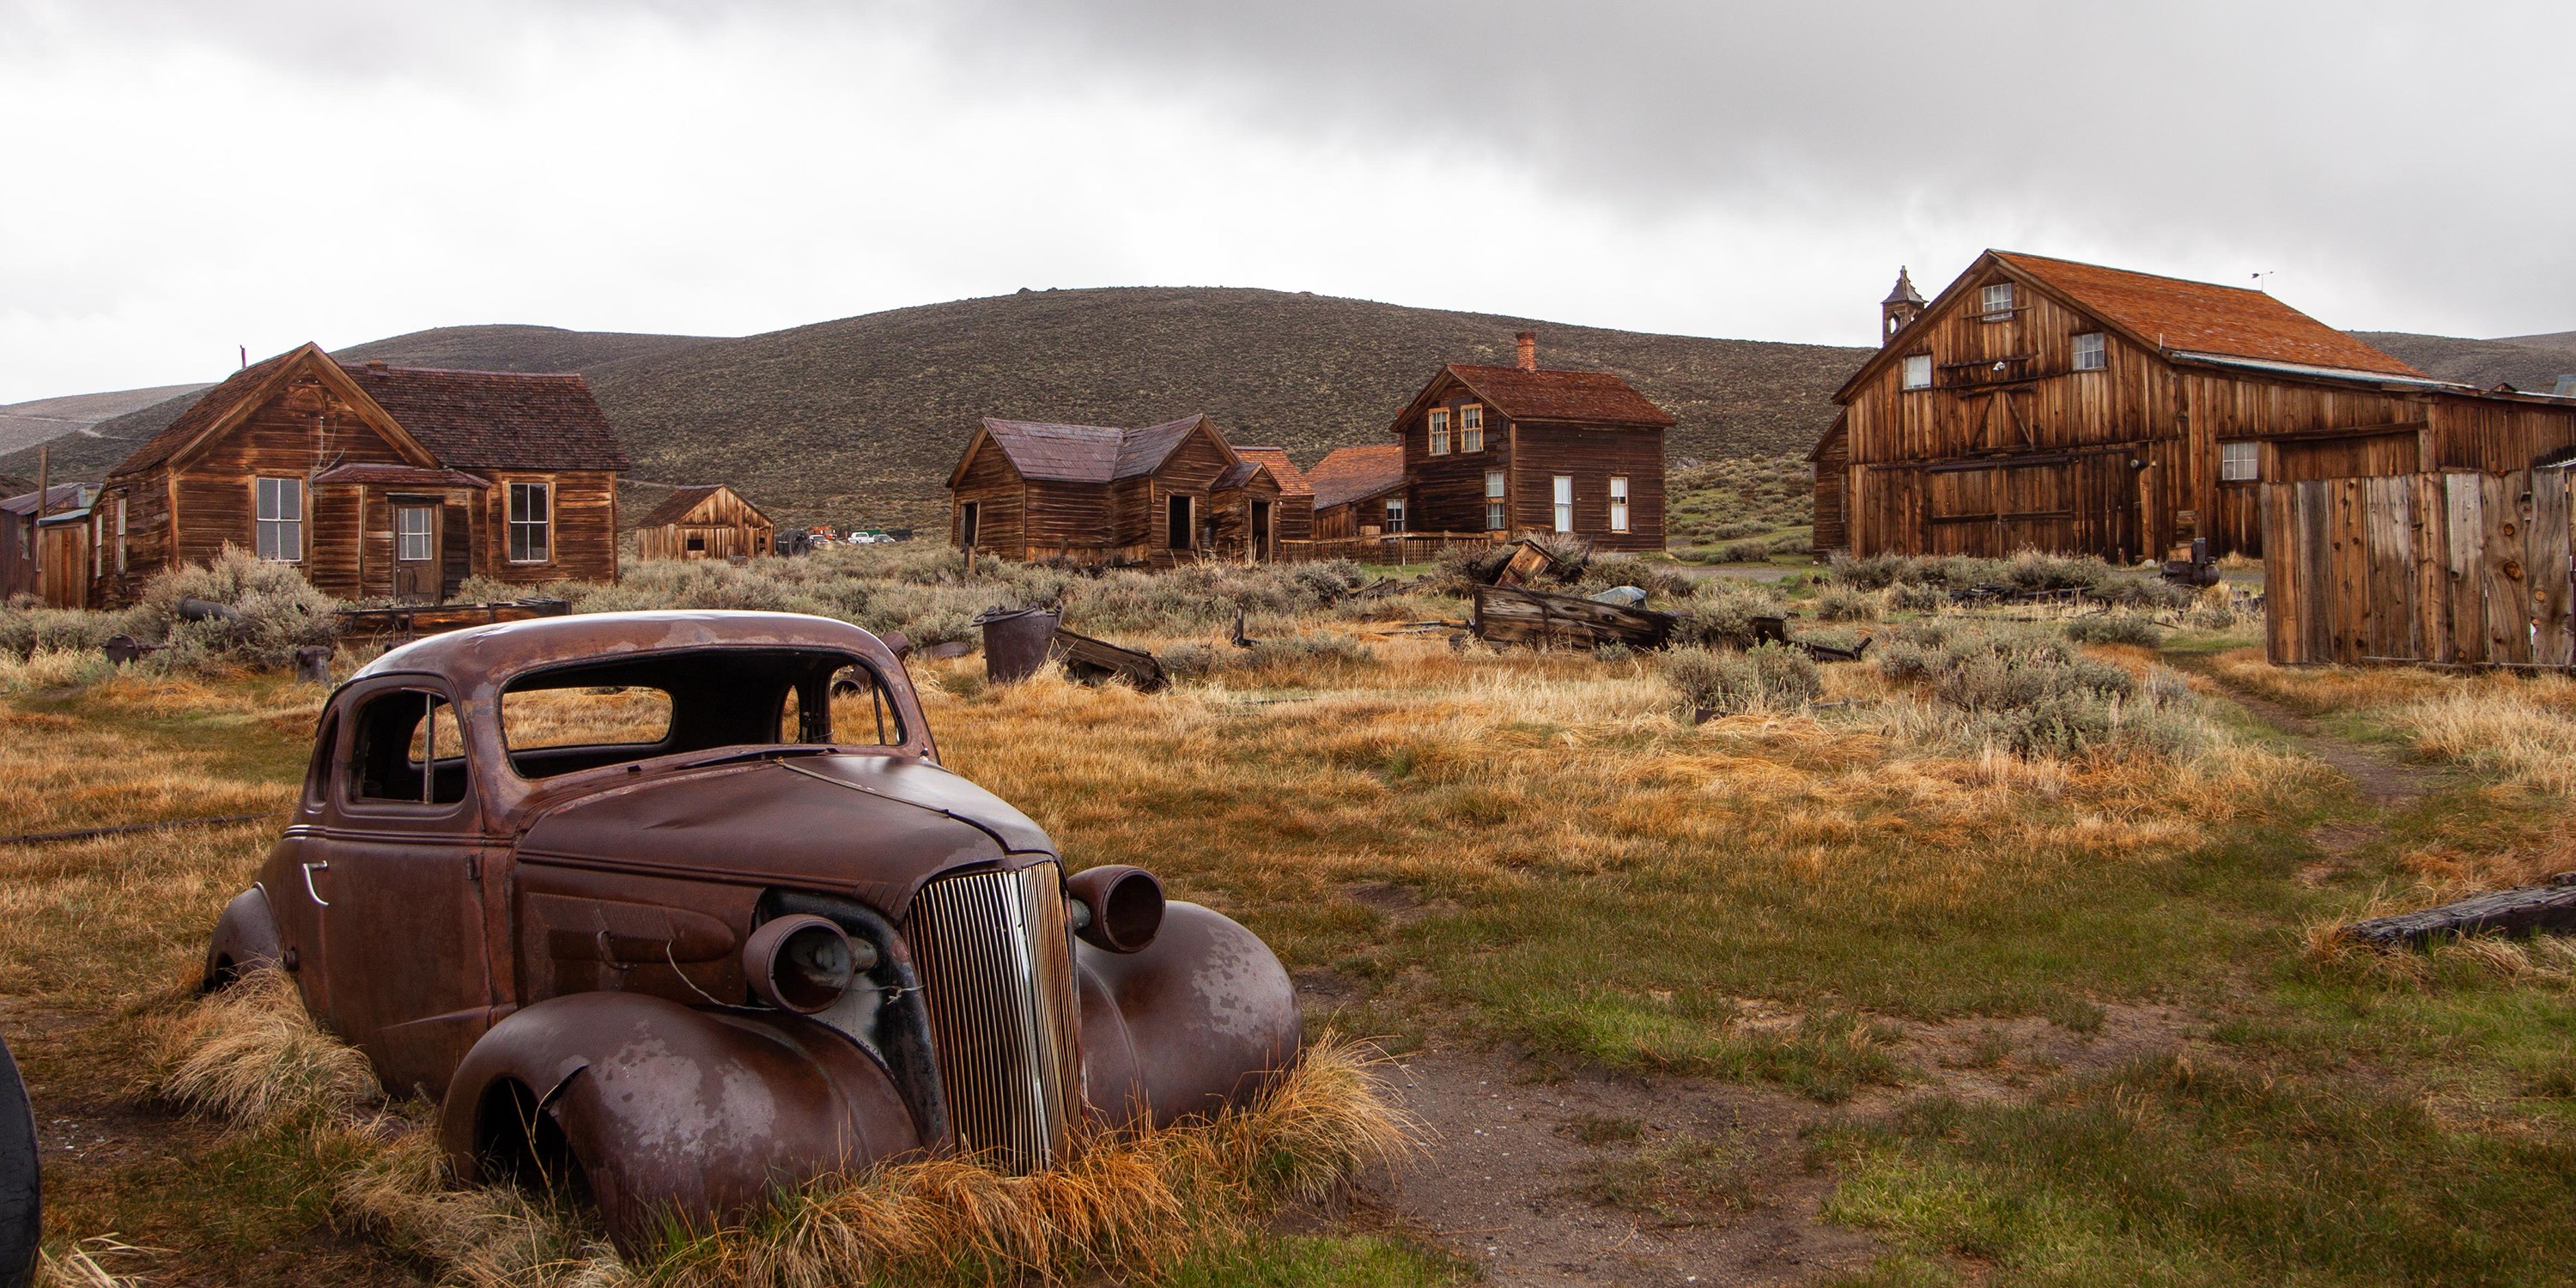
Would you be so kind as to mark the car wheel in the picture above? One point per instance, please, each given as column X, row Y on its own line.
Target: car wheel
column 22, row 1204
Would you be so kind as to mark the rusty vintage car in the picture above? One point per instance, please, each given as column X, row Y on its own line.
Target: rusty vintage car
column 684, row 907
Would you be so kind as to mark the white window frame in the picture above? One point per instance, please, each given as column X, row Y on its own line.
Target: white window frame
column 277, row 528
column 1564, row 486
column 1618, row 503
column 1917, row 373
column 428, row 535
column 2240, row 461
column 518, row 529
column 1394, row 515
column 1439, row 425
column 1995, row 301
column 1495, row 519
column 97, row 545
column 120, row 534
column 2092, row 351
column 1471, row 427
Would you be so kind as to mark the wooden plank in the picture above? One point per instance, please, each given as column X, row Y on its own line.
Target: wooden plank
column 1507, row 615
column 2464, row 566
column 2391, row 552
column 2546, row 559
column 2316, row 527
column 2508, row 609
column 2280, row 576
column 2432, row 581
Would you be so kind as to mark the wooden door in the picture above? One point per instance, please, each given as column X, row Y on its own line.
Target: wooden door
column 416, row 553
column 1261, row 548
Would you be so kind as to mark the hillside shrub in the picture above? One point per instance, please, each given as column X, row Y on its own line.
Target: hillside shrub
column 1842, row 604
column 1721, row 614
column 1768, row 679
column 277, row 612
column 2028, row 572
column 2031, row 692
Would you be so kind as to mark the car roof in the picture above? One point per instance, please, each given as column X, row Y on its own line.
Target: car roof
column 490, row 653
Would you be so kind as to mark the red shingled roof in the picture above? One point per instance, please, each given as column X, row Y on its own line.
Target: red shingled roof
column 496, row 419
column 2200, row 317
column 467, row 419
column 1086, row 453
column 1594, row 397
column 1291, row 480
column 1347, row 474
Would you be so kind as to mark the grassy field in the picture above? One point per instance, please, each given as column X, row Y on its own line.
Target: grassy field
column 1857, row 896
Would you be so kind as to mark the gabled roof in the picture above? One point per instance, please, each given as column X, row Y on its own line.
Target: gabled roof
column 452, row 419
column 1348, row 474
column 2171, row 313
column 1592, row 397
column 368, row 472
column 1284, row 472
column 2168, row 315
column 496, row 419
column 676, row 506
column 1052, row 453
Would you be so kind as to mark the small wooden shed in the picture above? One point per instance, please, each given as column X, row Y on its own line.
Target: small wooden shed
column 709, row 521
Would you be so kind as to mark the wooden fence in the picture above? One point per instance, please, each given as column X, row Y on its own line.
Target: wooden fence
column 2463, row 568
column 1393, row 548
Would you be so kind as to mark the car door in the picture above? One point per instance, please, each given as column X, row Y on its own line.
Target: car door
column 402, row 918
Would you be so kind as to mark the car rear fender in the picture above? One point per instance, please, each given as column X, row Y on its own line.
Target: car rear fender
column 1202, row 1018
column 245, row 939
column 668, row 1112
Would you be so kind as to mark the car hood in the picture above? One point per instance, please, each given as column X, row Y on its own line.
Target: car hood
column 872, row 826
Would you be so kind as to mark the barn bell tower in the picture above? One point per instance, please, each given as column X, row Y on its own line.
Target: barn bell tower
column 1900, row 307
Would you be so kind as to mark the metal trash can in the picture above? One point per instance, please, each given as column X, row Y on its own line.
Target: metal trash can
column 1017, row 641
column 313, row 664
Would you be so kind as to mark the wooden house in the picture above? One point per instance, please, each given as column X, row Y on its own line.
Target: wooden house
column 711, row 521
column 2043, row 404
column 1097, row 495
column 1265, row 508
column 1360, row 492
column 19, row 565
column 379, row 482
column 1524, row 449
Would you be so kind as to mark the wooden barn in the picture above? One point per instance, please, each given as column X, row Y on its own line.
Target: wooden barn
column 379, row 482
column 20, row 569
column 2043, row 404
column 1360, row 492
column 709, row 521
column 1103, row 496
column 1523, row 449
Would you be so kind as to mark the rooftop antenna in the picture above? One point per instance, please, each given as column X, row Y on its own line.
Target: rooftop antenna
column 2263, row 281
column 245, row 357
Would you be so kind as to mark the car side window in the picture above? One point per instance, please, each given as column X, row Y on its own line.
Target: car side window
column 863, row 714
column 406, row 748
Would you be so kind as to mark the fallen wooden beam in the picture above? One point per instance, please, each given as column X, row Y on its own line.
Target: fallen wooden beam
column 1092, row 661
column 1508, row 615
column 2529, row 910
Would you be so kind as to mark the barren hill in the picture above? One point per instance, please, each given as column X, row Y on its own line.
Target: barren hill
column 29, row 423
column 2531, row 362
column 861, row 418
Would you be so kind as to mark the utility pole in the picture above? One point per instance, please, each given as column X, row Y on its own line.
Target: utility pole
column 44, row 494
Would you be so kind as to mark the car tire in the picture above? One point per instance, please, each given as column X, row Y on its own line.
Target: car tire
column 22, row 1195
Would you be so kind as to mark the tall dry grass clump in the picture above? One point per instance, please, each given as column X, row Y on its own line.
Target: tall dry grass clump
column 252, row 1055
column 1125, row 1207
column 2523, row 730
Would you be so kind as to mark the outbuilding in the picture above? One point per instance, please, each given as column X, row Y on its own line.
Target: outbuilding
column 708, row 521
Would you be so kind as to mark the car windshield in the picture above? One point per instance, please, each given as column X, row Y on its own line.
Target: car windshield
column 588, row 714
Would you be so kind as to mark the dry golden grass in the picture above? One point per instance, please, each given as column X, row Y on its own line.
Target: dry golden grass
column 48, row 668
column 251, row 1056
column 578, row 717
column 2315, row 690
column 2519, row 729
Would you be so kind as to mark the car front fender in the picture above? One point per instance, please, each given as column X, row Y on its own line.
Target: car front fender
column 668, row 1112
column 1201, row 1019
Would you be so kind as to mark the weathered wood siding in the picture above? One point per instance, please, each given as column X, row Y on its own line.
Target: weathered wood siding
column 584, row 546
column 1001, row 506
column 2455, row 566
column 1446, row 492
column 1541, row 451
column 1232, row 508
column 1833, row 481
column 1191, row 470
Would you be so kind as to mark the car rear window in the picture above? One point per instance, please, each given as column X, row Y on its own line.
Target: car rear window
column 588, row 716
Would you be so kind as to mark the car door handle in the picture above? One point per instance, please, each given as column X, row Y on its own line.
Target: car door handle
column 325, row 865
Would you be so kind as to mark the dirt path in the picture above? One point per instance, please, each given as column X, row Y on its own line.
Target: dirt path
column 2386, row 783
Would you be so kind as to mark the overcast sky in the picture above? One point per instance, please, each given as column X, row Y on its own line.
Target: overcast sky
column 180, row 178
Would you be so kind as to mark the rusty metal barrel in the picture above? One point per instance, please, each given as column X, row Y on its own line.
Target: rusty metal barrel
column 313, row 664
column 1017, row 641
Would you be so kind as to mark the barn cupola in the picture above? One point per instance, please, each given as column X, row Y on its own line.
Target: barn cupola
column 1899, row 308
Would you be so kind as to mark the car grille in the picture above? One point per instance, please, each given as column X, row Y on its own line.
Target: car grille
column 996, row 964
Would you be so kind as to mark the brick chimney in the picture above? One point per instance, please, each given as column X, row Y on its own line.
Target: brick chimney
column 1528, row 359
